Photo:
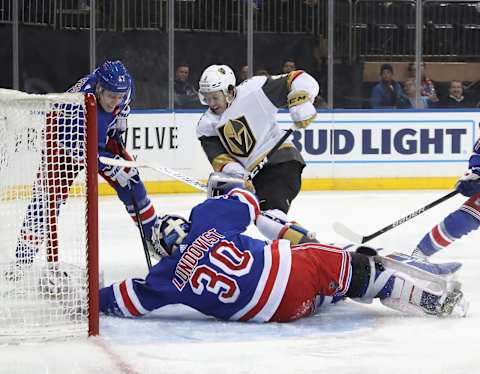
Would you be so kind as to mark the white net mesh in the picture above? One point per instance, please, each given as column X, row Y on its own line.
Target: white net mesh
column 43, row 246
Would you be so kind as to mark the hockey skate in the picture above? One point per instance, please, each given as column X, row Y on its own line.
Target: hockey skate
column 455, row 305
column 24, row 260
column 419, row 255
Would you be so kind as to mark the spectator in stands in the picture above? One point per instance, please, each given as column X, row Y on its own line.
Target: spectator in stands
column 185, row 93
column 262, row 72
column 428, row 87
column 243, row 74
column 455, row 98
column 289, row 66
column 407, row 100
column 387, row 92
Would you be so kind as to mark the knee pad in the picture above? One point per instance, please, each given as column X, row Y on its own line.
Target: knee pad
column 361, row 274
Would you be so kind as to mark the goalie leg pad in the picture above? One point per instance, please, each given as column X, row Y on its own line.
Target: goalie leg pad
column 406, row 285
column 421, row 288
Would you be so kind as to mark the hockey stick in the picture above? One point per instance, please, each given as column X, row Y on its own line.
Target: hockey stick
column 274, row 149
column 185, row 179
column 161, row 169
column 120, row 142
column 142, row 233
column 347, row 233
column 171, row 173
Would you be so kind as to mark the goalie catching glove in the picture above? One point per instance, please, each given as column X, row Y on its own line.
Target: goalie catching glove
column 124, row 176
column 301, row 108
column 221, row 183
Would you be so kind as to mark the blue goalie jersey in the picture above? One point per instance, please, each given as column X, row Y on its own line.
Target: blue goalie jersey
column 217, row 270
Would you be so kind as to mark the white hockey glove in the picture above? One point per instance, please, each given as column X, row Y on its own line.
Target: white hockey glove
column 125, row 177
column 301, row 108
column 221, row 183
column 469, row 184
column 235, row 169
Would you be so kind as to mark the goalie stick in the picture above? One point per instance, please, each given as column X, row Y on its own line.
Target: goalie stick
column 124, row 152
column 349, row 234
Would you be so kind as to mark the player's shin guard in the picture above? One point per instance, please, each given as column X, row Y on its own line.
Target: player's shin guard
column 453, row 227
column 406, row 285
column 147, row 215
column 146, row 210
column 274, row 224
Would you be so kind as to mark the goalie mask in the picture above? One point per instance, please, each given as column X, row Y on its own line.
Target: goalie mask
column 216, row 78
column 168, row 233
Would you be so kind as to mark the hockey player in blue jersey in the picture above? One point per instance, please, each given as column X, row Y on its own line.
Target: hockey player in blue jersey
column 462, row 221
column 209, row 264
column 113, row 88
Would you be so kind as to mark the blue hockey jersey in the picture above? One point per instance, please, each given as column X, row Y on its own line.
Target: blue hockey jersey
column 217, row 270
column 105, row 120
column 474, row 161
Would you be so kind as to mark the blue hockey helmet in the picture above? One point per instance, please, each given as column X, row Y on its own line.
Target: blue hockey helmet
column 168, row 233
column 113, row 76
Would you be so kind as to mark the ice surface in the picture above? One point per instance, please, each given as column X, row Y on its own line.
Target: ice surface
column 345, row 338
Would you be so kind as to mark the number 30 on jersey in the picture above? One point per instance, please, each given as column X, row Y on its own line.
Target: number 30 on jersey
column 232, row 261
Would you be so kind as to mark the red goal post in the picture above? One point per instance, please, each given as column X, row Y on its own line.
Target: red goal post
column 49, row 216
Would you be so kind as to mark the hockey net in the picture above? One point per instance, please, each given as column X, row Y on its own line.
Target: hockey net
column 48, row 214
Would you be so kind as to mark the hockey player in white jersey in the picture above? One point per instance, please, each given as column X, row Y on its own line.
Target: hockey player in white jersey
column 239, row 129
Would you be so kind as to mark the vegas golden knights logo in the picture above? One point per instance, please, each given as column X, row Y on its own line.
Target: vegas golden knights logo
column 238, row 137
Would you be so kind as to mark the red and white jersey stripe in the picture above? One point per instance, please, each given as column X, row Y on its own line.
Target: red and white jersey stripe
column 271, row 285
column 439, row 237
column 127, row 300
column 147, row 214
column 248, row 198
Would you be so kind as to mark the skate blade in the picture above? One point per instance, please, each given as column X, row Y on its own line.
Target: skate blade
column 455, row 305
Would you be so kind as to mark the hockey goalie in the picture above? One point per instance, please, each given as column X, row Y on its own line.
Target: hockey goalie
column 209, row 264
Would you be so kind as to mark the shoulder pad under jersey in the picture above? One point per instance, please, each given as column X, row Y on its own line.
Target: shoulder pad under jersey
column 252, row 84
column 207, row 124
column 85, row 84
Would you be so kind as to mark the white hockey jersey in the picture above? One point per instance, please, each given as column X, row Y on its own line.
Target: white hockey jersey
column 248, row 129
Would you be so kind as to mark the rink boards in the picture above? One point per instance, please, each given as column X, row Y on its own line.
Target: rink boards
column 343, row 150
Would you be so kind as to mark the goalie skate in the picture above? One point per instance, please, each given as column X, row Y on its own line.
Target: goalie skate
column 455, row 305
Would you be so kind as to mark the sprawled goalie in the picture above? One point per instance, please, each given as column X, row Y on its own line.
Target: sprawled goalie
column 208, row 263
